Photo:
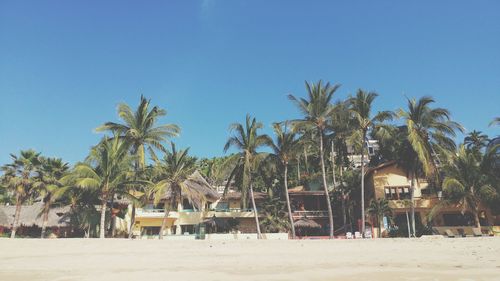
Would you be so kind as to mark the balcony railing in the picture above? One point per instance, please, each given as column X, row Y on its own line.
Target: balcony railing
column 310, row 214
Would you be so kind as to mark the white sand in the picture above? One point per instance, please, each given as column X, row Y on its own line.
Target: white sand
column 380, row 259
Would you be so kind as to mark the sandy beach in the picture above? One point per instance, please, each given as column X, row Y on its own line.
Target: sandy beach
column 382, row 259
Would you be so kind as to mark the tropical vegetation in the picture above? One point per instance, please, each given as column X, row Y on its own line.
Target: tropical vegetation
column 136, row 161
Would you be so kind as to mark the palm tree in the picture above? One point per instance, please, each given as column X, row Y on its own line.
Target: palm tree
column 379, row 208
column 140, row 130
column 106, row 170
column 495, row 122
column 361, row 109
column 467, row 184
column 407, row 204
column 285, row 149
column 429, row 132
column 174, row 170
column 246, row 162
column 316, row 111
column 476, row 140
column 49, row 185
column 19, row 176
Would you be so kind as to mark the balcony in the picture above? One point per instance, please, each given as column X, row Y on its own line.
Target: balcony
column 310, row 214
column 231, row 213
column 154, row 213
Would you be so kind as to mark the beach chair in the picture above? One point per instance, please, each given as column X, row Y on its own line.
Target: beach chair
column 357, row 235
column 449, row 233
column 348, row 235
column 477, row 232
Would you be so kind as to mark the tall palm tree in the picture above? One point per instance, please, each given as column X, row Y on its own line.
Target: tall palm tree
column 49, row 185
column 316, row 111
column 467, row 184
column 476, row 140
column 285, row 148
column 174, row 170
column 245, row 163
column 361, row 107
column 141, row 131
column 19, row 176
column 379, row 208
column 429, row 132
column 106, row 170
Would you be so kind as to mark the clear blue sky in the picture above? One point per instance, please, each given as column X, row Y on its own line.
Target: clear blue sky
column 65, row 65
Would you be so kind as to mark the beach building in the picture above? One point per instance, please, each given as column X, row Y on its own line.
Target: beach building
column 220, row 213
column 309, row 211
column 31, row 220
column 391, row 182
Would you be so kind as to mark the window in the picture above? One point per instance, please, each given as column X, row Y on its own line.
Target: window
column 187, row 229
column 397, row 192
column 150, row 230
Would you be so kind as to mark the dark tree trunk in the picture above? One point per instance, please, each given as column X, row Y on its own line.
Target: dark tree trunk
column 132, row 221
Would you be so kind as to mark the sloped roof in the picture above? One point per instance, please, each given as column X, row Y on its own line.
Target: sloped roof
column 300, row 190
column 32, row 215
column 198, row 183
column 381, row 166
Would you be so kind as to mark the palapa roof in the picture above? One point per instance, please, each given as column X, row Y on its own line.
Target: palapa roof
column 198, row 183
column 306, row 223
column 32, row 215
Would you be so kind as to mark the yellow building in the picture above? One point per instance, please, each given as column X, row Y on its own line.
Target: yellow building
column 225, row 210
column 392, row 183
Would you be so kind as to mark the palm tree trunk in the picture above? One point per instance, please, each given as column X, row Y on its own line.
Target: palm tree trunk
column 325, row 186
column 344, row 215
column 412, row 207
column 16, row 217
column 298, row 170
column 46, row 209
column 287, row 196
column 408, row 224
column 363, row 185
column 476, row 218
column 102, row 225
column 165, row 217
column 112, row 220
column 380, row 223
column 333, row 166
column 132, row 221
column 305, row 160
column 259, row 234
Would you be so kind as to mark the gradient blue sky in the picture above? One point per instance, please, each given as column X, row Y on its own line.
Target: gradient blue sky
column 65, row 65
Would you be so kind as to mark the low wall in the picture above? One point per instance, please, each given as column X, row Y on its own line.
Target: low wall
column 224, row 236
column 246, row 236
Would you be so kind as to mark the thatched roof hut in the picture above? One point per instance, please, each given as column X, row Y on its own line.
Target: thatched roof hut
column 4, row 220
column 200, row 186
column 306, row 223
column 31, row 215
